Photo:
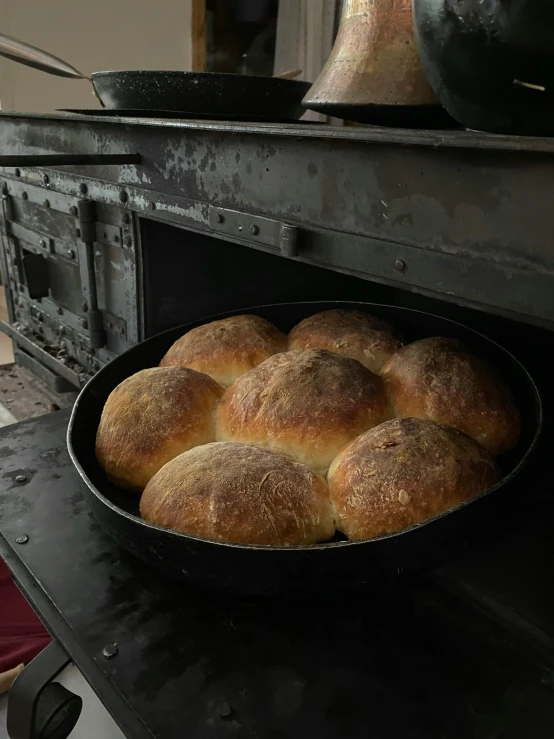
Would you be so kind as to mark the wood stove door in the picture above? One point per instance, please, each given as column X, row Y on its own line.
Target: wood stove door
column 69, row 269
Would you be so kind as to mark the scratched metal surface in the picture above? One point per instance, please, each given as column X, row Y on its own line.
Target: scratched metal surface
column 467, row 213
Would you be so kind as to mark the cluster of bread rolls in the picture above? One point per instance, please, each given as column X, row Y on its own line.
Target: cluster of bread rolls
column 246, row 435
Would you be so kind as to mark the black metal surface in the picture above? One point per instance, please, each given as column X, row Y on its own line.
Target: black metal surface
column 23, row 721
column 196, row 664
column 201, row 93
column 430, row 117
column 305, row 570
column 491, row 63
column 469, row 214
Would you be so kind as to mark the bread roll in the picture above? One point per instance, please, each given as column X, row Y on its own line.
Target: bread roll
column 307, row 404
column 242, row 494
column 439, row 379
column 228, row 348
column 404, row 472
column 350, row 333
column 152, row 417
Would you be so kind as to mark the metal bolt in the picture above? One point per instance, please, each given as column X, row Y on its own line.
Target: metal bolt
column 46, row 203
column 224, row 709
column 123, row 196
column 220, row 218
column 24, row 195
column 83, row 189
column 254, row 230
column 127, row 241
column 152, row 205
column 59, row 310
column 73, row 211
column 126, row 219
column 21, row 478
column 42, row 242
column 17, row 172
column 110, row 650
column 116, row 239
column 23, row 539
column 4, row 188
column 239, row 228
column 71, row 254
column 78, row 233
column 400, row 265
column 46, row 179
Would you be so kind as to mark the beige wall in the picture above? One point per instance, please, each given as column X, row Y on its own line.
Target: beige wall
column 92, row 35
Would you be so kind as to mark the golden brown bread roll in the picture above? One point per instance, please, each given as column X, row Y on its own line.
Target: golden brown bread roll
column 403, row 472
column 241, row 494
column 228, row 348
column 152, row 417
column 350, row 333
column 307, row 404
column 439, row 379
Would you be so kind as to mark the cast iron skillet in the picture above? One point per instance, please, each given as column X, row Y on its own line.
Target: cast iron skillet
column 202, row 93
column 301, row 570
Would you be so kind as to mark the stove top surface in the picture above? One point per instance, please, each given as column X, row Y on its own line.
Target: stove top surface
column 197, row 663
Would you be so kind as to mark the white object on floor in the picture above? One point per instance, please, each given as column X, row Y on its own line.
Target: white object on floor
column 6, row 419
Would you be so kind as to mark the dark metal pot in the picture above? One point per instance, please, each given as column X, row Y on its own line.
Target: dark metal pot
column 490, row 62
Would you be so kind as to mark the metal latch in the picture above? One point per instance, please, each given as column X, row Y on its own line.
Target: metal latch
column 256, row 229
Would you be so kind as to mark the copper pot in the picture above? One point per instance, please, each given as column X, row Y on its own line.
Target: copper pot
column 373, row 63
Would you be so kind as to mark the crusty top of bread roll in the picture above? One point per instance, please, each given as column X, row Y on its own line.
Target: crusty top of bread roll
column 403, row 472
column 152, row 417
column 228, row 348
column 441, row 380
column 242, row 494
column 350, row 333
column 307, row 404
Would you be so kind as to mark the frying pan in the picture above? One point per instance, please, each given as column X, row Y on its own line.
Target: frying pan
column 201, row 93
column 308, row 569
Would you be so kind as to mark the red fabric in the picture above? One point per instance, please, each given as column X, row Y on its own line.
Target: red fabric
column 22, row 636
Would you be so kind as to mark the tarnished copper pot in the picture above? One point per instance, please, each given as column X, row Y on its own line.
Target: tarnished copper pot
column 374, row 61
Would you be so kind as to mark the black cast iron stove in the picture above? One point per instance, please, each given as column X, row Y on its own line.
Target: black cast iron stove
column 159, row 222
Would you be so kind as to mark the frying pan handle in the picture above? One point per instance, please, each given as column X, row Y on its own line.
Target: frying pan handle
column 56, row 160
column 30, row 56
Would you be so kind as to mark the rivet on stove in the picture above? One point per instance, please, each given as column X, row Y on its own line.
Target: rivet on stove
column 73, row 211
column 46, row 203
column 110, row 650
column 254, row 230
column 21, row 478
column 400, row 265
column 24, row 195
column 152, row 205
column 224, row 709
column 46, row 179
column 123, row 196
column 23, row 539
column 17, row 172
column 126, row 219
column 83, row 189
column 220, row 217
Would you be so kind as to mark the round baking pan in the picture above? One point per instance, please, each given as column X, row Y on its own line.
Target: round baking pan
column 310, row 569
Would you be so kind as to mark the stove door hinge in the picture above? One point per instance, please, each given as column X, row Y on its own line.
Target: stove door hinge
column 86, row 210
